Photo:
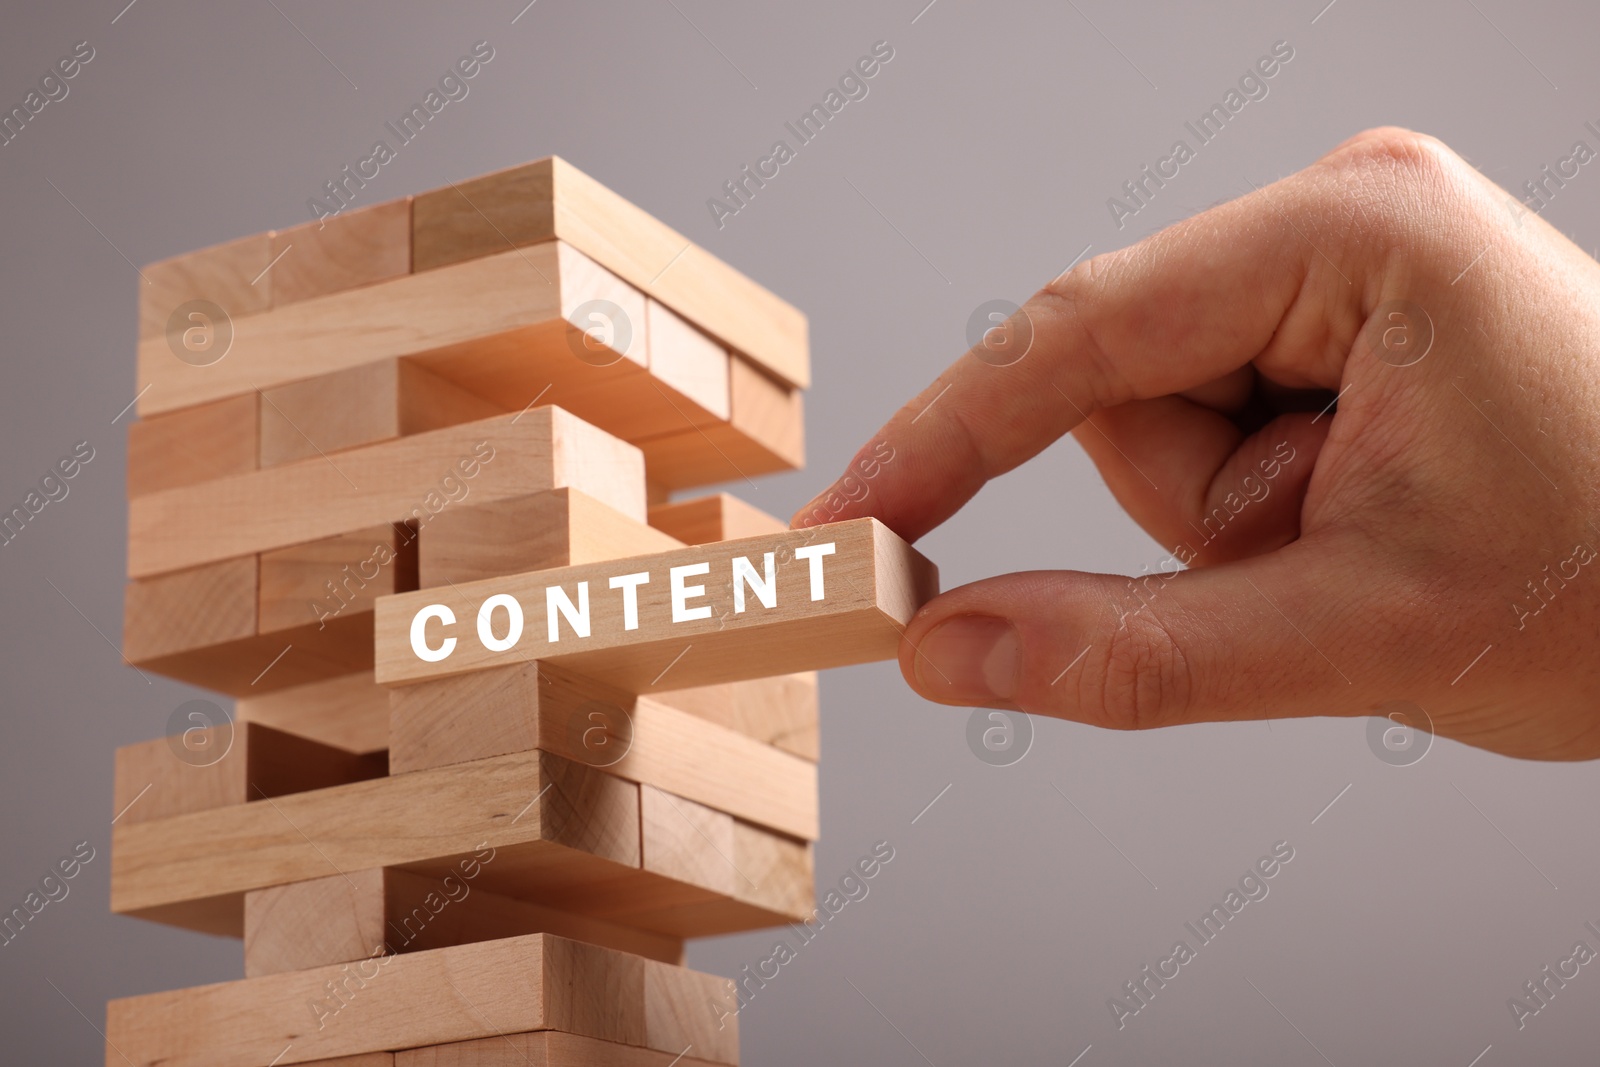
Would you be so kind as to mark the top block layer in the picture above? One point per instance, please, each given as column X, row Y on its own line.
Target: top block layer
column 828, row 596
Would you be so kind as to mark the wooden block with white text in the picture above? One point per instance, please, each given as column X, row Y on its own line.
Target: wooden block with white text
column 518, row 984
column 559, row 528
column 827, row 596
column 407, row 479
column 550, row 199
column 212, row 765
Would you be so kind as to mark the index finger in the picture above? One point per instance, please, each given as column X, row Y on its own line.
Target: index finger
column 1179, row 309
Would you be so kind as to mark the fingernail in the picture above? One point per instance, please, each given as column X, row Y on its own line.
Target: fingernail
column 971, row 658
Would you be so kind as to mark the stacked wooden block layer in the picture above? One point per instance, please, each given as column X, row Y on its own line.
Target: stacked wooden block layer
column 441, row 409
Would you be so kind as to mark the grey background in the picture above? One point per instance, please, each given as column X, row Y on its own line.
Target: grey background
column 990, row 142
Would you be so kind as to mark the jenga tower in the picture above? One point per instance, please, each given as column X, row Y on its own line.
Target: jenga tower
column 512, row 722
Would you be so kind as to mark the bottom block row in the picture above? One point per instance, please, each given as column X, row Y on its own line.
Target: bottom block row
column 536, row 999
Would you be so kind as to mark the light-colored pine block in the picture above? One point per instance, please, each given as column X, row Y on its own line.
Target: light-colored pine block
column 558, row 827
column 349, row 711
column 780, row 710
column 222, row 274
column 718, row 517
column 353, row 916
column 213, row 766
column 505, row 327
column 839, row 594
column 687, row 360
column 185, row 610
column 366, row 1059
column 551, row 1048
column 559, row 528
column 358, row 247
column 445, row 995
column 766, row 433
column 518, row 707
column 317, row 582
column 549, row 199
column 361, row 406
column 408, row 479
column 192, row 445
column 199, row 626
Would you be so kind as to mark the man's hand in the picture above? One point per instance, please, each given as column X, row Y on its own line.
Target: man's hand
column 1431, row 539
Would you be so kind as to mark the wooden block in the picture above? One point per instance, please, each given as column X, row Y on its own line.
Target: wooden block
column 518, row 984
column 548, row 199
column 349, row 712
column 552, row 1048
column 351, row 249
column 366, row 1059
column 408, row 479
column 182, row 611
column 199, row 626
column 361, row 406
column 192, row 445
column 718, row 517
column 321, row 580
column 518, row 707
column 558, row 827
column 361, row 914
column 683, row 357
column 213, row 766
column 838, row 594
column 766, row 433
column 222, row 274
column 780, row 710
column 559, row 528
column 504, row 327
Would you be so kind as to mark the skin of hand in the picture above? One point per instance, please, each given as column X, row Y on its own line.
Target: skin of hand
column 1430, row 540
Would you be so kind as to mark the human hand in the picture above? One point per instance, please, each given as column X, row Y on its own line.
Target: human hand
column 1430, row 540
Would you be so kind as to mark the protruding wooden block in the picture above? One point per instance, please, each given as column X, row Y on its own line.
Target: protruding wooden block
column 718, row 517
column 359, row 914
column 200, row 626
column 192, row 445
column 408, row 479
column 514, row 985
column 826, row 596
column 314, row 583
column 558, row 828
column 550, row 198
column 177, row 614
column 552, row 1048
column 222, row 274
column 349, row 712
column 356, row 247
column 505, row 709
column 766, row 433
column 361, row 405
column 213, row 766
column 559, row 528
column 780, row 710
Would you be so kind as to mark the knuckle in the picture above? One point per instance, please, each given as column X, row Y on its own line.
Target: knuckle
column 1078, row 299
column 1140, row 679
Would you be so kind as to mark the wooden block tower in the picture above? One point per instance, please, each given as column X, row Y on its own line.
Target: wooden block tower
column 514, row 717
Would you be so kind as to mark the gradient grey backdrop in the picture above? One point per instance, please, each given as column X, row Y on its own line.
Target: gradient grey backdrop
column 1414, row 907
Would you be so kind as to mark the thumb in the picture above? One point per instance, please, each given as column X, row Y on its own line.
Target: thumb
column 1259, row 638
